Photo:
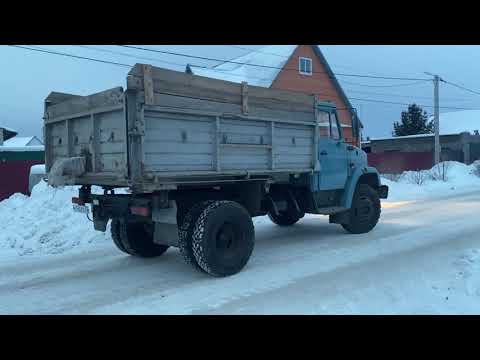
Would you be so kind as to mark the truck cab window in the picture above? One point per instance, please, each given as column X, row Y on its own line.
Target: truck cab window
column 323, row 124
column 335, row 131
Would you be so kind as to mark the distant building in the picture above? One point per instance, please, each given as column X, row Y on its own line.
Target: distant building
column 19, row 141
column 459, row 141
column 17, row 156
column 301, row 68
column 6, row 133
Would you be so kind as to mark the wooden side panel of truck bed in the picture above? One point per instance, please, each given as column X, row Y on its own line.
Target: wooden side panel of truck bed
column 169, row 126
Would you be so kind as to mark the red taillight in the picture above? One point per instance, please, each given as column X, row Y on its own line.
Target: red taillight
column 139, row 210
column 77, row 200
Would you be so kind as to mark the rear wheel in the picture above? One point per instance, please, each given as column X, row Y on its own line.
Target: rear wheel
column 285, row 218
column 185, row 233
column 115, row 230
column 223, row 238
column 365, row 211
column 136, row 238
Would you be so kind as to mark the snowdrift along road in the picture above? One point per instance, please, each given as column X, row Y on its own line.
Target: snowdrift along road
column 45, row 223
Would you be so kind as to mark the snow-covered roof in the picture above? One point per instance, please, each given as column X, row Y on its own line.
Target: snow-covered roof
column 271, row 59
column 274, row 57
column 19, row 141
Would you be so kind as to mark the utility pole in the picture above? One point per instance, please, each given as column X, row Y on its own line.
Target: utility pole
column 436, row 115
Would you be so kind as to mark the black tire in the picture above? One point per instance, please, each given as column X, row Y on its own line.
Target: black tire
column 285, row 218
column 185, row 233
column 134, row 239
column 365, row 211
column 223, row 238
column 115, row 231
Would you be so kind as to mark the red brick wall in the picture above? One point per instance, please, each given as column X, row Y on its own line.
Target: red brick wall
column 318, row 83
column 14, row 176
column 396, row 162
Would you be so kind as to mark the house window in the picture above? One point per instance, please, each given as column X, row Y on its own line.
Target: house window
column 305, row 66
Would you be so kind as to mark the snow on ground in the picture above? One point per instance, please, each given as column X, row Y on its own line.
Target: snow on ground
column 419, row 259
column 44, row 223
column 460, row 178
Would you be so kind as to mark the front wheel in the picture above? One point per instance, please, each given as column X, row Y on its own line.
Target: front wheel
column 365, row 211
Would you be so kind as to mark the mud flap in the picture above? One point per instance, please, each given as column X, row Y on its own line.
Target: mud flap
column 166, row 228
column 340, row 218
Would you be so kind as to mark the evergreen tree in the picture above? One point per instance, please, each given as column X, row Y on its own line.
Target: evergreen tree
column 414, row 122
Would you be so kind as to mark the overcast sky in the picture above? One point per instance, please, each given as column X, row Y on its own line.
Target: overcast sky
column 27, row 77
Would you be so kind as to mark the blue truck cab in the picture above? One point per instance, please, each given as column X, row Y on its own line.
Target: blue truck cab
column 342, row 184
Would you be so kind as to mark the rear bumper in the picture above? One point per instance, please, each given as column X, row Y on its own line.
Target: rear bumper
column 383, row 192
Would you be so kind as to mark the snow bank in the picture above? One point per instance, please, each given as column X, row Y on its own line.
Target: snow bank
column 460, row 178
column 45, row 222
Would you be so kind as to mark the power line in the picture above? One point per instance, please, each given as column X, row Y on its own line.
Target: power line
column 115, row 63
column 128, row 55
column 166, row 62
column 70, row 55
column 127, row 65
column 403, row 96
column 279, row 55
column 257, row 51
column 460, row 87
column 381, row 86
column 270, row 67
column 407, row 104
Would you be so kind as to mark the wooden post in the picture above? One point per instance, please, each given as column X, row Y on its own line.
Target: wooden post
column 148, row 84
column 316, row 135
column 244, row 98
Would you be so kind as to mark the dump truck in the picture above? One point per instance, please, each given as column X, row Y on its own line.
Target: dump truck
column 200, row 158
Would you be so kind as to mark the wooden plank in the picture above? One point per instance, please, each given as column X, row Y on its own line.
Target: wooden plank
column 280, row 99
column 217, row 158
column 216, row 108
column 57, row 97
column 148, row 84
column 246, row 146
column 245, row 98
column 108, row 98
column 273, row 142
column 179, row 83
column 99, row 110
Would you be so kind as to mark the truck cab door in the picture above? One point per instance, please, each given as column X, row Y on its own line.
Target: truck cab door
column 332, row 152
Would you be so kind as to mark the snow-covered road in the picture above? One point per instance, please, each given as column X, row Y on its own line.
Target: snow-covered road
column 423, row 257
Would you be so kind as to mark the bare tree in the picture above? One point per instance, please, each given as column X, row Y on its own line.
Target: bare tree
column 440, row 171
column 416, row 177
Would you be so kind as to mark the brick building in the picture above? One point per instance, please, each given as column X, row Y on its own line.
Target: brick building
column 17, row 156
column 301, row 68
column 459, row 141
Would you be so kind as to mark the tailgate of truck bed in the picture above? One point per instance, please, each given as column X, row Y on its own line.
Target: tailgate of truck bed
column 92, row 127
